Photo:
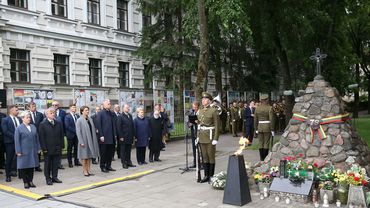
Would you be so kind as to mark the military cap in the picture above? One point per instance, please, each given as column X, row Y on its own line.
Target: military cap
column 264, row 96
column 207, row 95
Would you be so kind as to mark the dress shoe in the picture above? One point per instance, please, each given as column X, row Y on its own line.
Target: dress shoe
column 151, row 160
column 104, row 170
column 193, row 166
column 49, row 182
column 78, row 164
column 131, row 165
column 8, row 179
column 26, row 186
column 90, row 174
column 94, row 162
column 61, row 167
column 38, row 169
column 111, row 169
column 32, row 185
column 70, row 165
column 144, row 163
column 86, row 175
column 158, row 160
column 140, row 163
column 125, row 166
column 56, row 180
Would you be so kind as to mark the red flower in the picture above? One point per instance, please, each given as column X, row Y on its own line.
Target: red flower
column 351, row 174
column 293, row 158
column 316, row 165
column 357, row 178
column 300, row 155
column 364, row 183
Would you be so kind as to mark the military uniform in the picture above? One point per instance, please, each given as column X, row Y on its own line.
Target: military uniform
column 234, row 118
column 208, row 133
column 264, row 124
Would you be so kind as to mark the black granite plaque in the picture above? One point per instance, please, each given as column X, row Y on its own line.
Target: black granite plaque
column 286, row 186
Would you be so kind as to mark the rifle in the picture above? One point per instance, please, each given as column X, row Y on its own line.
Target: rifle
column 199, row 163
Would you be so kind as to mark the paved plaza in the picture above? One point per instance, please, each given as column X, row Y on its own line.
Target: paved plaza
column 165, row 187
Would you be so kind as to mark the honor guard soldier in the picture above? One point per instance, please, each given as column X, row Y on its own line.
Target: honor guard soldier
column 264, row 124
column 208, row 133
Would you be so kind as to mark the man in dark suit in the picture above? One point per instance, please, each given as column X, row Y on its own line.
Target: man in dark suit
column 8, row 125
column 51, row 137
column 60, row 114
column 36, row 119
column 194, row 128
column 125, row 128
column 70, row 126
column 107, row 135
column 2, row 146
column 116, row 111
column 249, row 119
column 93, row 117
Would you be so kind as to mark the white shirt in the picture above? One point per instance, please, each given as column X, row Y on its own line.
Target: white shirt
column 16, row 120
column 28, row 127
column 74, row 117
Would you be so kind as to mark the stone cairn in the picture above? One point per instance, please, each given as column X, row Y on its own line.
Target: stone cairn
column 340, row 145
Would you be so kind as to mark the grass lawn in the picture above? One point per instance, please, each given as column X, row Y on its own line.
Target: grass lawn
column 363, row 127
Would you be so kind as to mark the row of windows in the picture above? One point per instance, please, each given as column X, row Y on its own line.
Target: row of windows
column 59, row 8
column 20, row 69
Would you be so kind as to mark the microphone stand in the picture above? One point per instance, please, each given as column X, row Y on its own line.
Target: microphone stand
column 186, row 168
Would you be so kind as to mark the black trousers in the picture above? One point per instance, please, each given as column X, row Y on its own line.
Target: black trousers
column 51, row 165
column 118, row 149
column 140, row 154
column 106, row 152
column 194, row 135
column 26, row 174
column 10, row 157
column 125, row 152
column 2, row 153
column 249, row 132
column 72, row 147
column 154, row 154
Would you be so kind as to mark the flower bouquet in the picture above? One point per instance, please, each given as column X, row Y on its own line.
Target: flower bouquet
column 357, row 179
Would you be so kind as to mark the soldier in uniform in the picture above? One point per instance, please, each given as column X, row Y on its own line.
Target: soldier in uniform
column 234, row 117
column 264, row 124
column 208, row 133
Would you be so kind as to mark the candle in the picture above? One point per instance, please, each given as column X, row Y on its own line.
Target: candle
column 316, row 204
column 287, row 200
column 262, row 197
column 277, row 198
column 265, row 192
column 338, row 203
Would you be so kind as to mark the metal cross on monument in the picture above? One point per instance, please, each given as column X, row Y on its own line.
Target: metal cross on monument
column 317, row 57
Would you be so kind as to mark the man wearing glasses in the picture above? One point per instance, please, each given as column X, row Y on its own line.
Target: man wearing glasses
column 60, row 114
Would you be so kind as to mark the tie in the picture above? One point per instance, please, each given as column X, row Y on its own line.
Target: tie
column 15, row 122
column 75, row 117
column 52, row 122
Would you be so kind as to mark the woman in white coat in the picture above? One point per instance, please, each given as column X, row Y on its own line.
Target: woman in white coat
column 87, row 145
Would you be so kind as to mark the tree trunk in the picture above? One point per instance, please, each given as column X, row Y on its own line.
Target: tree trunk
column 357, row 96
column 204, row 50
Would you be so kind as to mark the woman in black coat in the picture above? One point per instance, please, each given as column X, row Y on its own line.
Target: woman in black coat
column 155, row 142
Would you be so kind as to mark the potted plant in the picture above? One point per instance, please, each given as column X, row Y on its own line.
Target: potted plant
column 341, row 181
column 357, row 179
column 328, row 188
column 264, row 180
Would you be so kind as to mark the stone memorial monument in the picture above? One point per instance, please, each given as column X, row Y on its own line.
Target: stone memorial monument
column 320, row 130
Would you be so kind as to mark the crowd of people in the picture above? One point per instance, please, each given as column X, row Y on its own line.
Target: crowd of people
column 28, row 136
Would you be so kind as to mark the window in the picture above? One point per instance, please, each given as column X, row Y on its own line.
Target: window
column 123, row 72
column 61, row 69
column 148, row 77
column 147, row 18
column 95, row 72
column 59, row 8
column 19, row 65
column 122, row 15
column 93, row 11
column 18, row 3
